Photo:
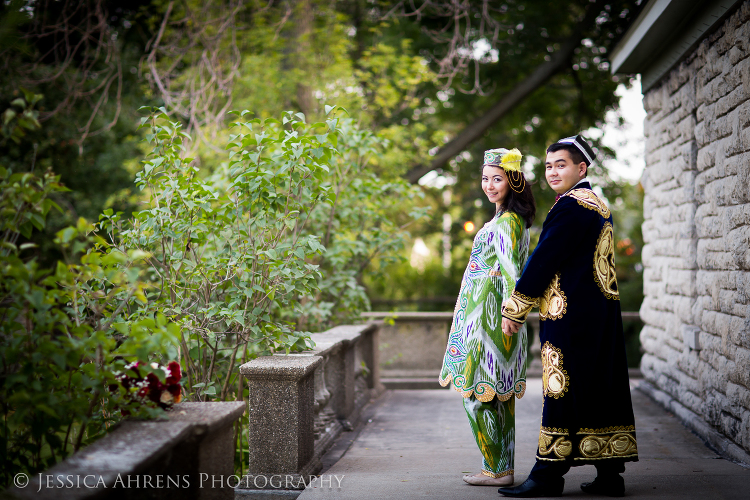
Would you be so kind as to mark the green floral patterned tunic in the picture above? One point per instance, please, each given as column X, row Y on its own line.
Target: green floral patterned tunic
column 480, row 360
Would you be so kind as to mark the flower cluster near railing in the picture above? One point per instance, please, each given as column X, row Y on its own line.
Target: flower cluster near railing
column 151, row 388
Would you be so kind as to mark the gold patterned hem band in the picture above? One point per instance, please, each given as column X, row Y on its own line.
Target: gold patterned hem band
column 605, row 443
column 595, row 444
column 553, row 443
column 508, row 472
column 607, row 430
column 484, row 392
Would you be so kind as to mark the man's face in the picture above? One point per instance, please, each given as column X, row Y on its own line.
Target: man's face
column 561, row 173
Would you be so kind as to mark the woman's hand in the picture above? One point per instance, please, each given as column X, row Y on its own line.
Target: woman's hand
column 510, row 327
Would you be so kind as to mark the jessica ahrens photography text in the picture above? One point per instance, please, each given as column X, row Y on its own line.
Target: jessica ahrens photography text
column 176, row 481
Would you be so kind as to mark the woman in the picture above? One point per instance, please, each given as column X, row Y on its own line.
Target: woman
column 487, row 367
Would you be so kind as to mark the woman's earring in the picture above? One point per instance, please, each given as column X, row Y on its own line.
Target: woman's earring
column 516, row 181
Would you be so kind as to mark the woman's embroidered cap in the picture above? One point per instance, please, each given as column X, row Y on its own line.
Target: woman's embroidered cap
column 501, row 157
column 581, row 145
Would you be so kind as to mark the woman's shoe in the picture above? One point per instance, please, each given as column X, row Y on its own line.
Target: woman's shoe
column 485, row 480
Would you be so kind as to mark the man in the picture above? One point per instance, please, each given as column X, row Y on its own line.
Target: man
column 587, row 417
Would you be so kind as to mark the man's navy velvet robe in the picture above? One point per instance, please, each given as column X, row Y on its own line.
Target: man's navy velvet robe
column 587, row 415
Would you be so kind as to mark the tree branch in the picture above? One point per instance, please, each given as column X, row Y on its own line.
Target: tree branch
column 557, row 63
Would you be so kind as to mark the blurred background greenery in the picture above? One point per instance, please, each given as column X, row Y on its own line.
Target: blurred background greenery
column 420, row 74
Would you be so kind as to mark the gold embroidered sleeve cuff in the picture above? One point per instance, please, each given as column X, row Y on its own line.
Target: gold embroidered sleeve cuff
column 517, row 307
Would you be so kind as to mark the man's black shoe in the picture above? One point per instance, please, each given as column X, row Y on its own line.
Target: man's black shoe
column 610, row 487
column 532, row 489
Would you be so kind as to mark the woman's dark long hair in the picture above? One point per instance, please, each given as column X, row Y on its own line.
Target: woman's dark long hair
column 521, row 203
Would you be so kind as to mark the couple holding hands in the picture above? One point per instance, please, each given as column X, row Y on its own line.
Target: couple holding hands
column 587, row 414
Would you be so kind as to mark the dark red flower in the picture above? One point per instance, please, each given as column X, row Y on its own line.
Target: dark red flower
column 175, row 373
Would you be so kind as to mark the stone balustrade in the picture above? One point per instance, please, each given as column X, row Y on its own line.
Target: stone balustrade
column 300, row 403
column 189, row 454
column 412, row 346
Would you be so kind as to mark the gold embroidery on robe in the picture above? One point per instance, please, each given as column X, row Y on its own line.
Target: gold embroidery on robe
column 517, row 307
column 607, row 430
column 610, row 442
column 554, row 378
column 554, row 444
column 604, row 263
column 587, row 198
column 553, row 304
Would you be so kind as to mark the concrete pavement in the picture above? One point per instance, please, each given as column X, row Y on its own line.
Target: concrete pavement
column 418, row 444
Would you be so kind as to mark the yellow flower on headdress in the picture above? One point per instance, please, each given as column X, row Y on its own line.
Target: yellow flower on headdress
column 512, row 160
column 501, row 157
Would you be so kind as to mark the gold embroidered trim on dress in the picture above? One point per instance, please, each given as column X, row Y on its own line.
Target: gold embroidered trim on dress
column 486, row 392
column 600, row 446
column 553, row 304
column 508, row 472
column 604, row 263
column 554, row 441
column 587, row 198
column 496, row 273
column 555, row 379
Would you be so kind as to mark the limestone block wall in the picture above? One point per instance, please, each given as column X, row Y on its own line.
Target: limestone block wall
column 697, row 232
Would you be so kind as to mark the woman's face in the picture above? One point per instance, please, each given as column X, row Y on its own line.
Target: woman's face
column 495, row 184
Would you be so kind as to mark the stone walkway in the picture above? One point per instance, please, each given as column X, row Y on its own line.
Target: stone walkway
column 418, row 445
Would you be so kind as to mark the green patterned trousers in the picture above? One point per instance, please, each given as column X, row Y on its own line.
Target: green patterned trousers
column 494, row 427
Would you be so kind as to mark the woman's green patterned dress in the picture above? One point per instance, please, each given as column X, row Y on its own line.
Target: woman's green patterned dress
column 486, row 366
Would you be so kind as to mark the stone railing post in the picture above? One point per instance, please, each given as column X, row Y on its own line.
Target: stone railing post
column 368, row 350
column 300, row 403
column 213, row 423
column 340, row 374
column 280, row 411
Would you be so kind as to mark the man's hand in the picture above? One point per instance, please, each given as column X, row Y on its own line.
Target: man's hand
column 510, row 327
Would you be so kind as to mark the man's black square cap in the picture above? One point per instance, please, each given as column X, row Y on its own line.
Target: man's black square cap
column 581, row 145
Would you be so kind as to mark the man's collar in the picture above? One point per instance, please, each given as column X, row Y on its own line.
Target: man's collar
column 583, row 183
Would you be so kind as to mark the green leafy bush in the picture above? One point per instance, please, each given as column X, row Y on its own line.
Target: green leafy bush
column 214, row 271
column 65, row 333
column 363, row 227
column 227, row 253
column 269, row 246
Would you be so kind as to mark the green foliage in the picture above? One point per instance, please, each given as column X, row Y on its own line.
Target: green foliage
column 215, row 270
column 364, row 227
column 271, row 244
column 627, row 212
column 86, row 71
column 303, row 222
column 226, row 253
column 20, row 117
column 65, row 332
